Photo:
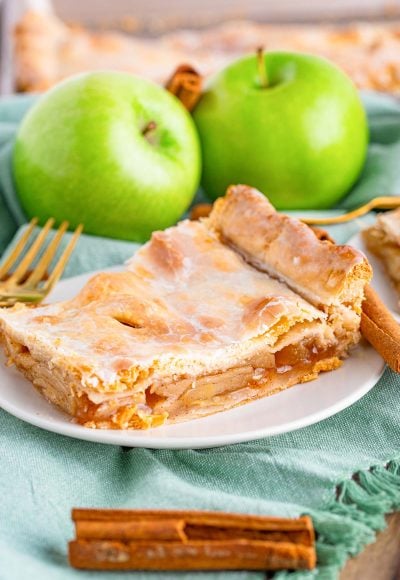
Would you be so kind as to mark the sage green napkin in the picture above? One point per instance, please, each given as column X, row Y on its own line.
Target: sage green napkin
column 43, row 475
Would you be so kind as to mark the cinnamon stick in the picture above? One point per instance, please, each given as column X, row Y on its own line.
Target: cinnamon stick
column 204, row 555
column 186, row 84
column 162, row 529
column 189, row 540
column 173, row 525
column 380, row 329
column 200, row 210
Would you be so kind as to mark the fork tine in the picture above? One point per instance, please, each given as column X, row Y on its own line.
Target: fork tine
column 30, row 254
column 47, row 257
column 62, row 262
column 11, row 259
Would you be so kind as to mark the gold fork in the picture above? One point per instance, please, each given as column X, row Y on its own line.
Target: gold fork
column 24, row 285
column 385, row 202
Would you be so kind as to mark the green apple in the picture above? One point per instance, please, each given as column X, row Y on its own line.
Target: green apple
column 113, row 151
column 290, row 124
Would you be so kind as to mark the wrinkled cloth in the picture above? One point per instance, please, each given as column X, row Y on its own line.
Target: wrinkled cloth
column 43, row 475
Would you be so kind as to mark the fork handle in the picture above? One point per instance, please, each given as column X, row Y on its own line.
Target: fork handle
column 384, row 202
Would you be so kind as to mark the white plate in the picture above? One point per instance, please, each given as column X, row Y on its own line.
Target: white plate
column 292, row 409
column 380, row 282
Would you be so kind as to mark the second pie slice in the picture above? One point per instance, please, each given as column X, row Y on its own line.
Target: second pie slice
column 207, row 316
column 383, row 240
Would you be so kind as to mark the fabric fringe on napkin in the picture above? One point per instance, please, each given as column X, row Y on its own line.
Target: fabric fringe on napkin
column 350, row 521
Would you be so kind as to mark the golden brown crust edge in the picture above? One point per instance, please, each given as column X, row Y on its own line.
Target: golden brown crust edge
column 225, row 220
column 284, row 247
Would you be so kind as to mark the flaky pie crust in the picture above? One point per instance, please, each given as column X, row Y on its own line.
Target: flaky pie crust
column 208, row 315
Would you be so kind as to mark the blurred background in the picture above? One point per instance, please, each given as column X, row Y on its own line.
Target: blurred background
column 162, row 15
column 43, row 41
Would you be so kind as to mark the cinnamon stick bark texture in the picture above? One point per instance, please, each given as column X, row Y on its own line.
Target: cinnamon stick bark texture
column 186, row 84
column 189, row 540
column 380, row 329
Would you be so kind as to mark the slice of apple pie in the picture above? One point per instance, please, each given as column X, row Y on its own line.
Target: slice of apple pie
column 383, row 240
column 208, row 315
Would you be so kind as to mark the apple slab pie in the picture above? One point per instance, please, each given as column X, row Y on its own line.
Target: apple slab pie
column 208, row 315
column 383, row 240
column 48, row 50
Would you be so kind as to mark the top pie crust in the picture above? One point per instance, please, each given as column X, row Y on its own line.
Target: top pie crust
column 47, row 50
column 244, row 302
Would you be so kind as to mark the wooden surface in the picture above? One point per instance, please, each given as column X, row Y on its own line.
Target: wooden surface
column 381, row 560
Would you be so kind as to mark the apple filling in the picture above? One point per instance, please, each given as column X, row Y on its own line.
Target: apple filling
column 207, row 316
column 199, row 396
column 193, row 397
column 188, row 397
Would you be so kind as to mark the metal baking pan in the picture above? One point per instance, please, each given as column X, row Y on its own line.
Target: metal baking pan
column 158, row 16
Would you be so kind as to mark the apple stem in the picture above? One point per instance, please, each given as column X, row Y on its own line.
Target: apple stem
column 262, row 73
column 149, row 128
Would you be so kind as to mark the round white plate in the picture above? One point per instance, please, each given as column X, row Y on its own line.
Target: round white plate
column 292, row 409
column 381, row 282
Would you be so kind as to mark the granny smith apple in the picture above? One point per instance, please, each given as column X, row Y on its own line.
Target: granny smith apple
column 113, row 151
column 290, row 124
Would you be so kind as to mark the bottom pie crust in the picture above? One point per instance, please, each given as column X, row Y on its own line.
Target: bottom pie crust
column 207, row 316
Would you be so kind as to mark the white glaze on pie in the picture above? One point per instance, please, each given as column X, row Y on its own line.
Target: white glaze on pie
column 207, row 315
